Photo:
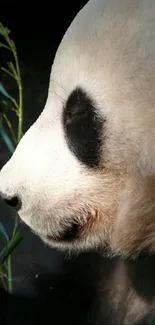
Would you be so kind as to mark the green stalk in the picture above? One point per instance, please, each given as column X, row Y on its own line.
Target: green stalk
column 14, row 72
column 10, row 128
column 19, row 83
column 17, row 76
column 9, row 274
column 2, row 279
column 20, row 99
column 10, row 246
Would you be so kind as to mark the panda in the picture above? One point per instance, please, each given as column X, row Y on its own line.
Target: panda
column 83, row 175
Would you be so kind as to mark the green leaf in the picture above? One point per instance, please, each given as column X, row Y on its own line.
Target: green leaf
column 6, row 70
column 4, row 31
column 3, row 231
column 13, row 70
column 10, row 247
column 4, row 92
column 5, row 46
column 6, row 104
column 5, row 264
column 1, row 274
column 15, row 225
column 6, row 138
column 2, row 251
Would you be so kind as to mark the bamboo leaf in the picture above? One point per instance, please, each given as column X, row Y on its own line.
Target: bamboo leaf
column 15, row 110
column 6, row 138
column 4, row 92
column 6, row 105
column 5, row 46
column 4, row 31
column 8, row 72
column 15, row 225
column 2, row 251
column 10, row 128
column 13, row 70
column 10, row 247
column 3, row 231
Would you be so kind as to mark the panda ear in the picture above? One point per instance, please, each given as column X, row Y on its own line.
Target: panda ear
column 83, row 127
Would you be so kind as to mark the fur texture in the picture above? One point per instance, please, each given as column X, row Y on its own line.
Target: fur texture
column 109, row 52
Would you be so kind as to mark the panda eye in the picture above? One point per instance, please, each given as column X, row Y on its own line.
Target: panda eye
column 82, row 128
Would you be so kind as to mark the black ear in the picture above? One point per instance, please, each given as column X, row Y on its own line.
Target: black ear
column 83, row 127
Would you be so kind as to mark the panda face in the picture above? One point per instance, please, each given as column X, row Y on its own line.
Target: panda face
column 84, row 172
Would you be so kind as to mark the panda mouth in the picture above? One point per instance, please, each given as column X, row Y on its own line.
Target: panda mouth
column 67, row 235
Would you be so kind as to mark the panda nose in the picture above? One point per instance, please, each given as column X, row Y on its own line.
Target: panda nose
column 14, row 202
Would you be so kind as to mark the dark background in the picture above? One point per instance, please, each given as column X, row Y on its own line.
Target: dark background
column 63, row 288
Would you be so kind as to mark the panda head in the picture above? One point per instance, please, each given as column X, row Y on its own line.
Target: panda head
column 83, row 175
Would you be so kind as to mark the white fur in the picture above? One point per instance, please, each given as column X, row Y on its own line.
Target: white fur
column 109, row 50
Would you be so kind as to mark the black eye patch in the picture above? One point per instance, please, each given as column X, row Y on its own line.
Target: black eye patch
column 83, row 128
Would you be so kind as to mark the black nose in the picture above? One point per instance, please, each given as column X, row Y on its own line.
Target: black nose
column 14, row 202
